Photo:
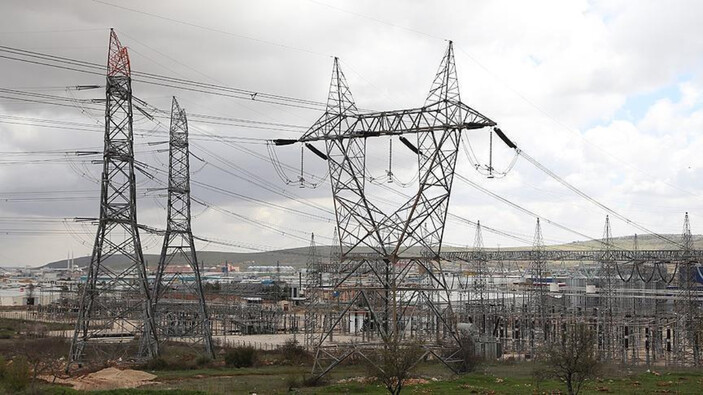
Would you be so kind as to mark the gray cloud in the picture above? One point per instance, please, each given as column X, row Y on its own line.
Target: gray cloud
column 578, row 62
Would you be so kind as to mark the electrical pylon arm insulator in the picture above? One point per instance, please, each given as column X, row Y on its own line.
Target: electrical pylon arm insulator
column 505, row 138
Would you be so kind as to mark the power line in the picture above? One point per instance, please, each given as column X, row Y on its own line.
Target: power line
column 592, row 200
column 81, row 66
column 214, row 30
column 526, row 211
column 13, row 94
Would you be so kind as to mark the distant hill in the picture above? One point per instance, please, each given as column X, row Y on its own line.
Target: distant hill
column 645, row 242
column 297, row 257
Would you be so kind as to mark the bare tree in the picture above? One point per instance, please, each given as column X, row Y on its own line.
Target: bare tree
column 393, row 364
column 44, row 356
column 573, row 359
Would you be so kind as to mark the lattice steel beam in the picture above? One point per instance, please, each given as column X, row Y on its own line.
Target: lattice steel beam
column 180, row 309
column 116, row 302
column 390, row 293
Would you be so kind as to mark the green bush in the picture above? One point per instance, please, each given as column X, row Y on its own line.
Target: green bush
column 240, row 357
column 293, row 353
column 157, row 363
column 202, row 360
column 17, row 375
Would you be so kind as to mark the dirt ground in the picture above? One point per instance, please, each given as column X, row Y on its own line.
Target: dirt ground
column 108, row 378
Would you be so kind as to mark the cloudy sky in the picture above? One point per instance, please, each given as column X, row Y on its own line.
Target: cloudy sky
column 606, row 94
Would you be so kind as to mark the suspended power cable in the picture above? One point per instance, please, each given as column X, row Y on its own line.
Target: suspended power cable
column 59, row 62
column 592, row 200
column 210, row 29
column 528, row 212
column 251, row 177
column 286, row 232
column 230, row 193
column 580, row 193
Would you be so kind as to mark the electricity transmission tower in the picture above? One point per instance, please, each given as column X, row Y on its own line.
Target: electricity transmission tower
column 115, row 299
column 390, row 279
column 479, row 287
column 313, row 285
column 687, row 307
column 538, row 295
column 607, row 283
column 179, row 302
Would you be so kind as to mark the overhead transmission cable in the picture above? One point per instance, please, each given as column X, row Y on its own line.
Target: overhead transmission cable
column 230, row 193
column 250, row 177
column 580, row 193
column 97, row 69
column 526, row 211
column 60, row 62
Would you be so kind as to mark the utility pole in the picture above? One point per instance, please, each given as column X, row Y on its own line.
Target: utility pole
column 115, row 300
column 179, row 299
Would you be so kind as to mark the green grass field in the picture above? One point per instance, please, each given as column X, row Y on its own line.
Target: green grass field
column 181, row 372
column 489, row 379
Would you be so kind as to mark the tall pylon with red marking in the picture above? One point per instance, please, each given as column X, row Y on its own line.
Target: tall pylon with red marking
column 115, row 299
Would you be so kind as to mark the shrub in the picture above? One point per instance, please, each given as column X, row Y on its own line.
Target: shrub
column 3, row 367
column 292, row 382
column 293, row 352
column 573, row 358
column 202, row 360
column 393, row 363
column 17, row 375
column 313, row 381
column 158, row 363
column 240, row 357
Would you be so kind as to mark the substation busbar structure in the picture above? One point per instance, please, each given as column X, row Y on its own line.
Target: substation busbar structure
column 646, row 306
column 402, row 293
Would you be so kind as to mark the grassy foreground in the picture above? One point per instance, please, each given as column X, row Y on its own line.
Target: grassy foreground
column 490, row 379
column 181, row 371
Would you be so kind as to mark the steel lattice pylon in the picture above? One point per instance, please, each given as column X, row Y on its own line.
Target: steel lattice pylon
column 313, row 285
column 607, row 284
column 115, row 301
column 538, row 269
column 180, row 310
column 689, row 328
column 389, row 279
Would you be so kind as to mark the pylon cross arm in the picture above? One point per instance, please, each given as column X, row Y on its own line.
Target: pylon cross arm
column 416, row 120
